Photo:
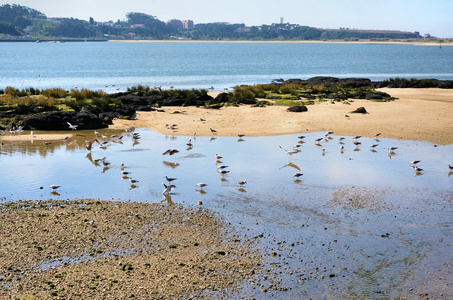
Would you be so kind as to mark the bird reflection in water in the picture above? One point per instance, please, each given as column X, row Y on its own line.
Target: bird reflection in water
column 167, row 197
column 241, row 189
column 291, row 165
column 170, row 164
column 54, row 193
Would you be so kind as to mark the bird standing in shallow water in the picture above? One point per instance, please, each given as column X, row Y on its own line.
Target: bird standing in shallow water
column 241, row 182
column 450, row 167
column 169, row 179
column 201, row 184
column 54, row 186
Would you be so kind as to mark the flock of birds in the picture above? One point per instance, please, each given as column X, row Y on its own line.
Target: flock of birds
column 356, row 141
column 103, row 142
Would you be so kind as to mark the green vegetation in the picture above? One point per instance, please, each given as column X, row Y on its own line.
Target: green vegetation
column 21, row 21
column 292, row 94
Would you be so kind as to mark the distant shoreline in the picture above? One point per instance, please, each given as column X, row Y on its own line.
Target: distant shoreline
column 396, row 42
column 389, row 42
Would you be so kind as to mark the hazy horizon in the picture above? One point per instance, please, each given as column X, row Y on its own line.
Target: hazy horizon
column 403, row 15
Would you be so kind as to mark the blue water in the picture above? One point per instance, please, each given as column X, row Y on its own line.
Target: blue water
column 366, row 216
column 115, row 66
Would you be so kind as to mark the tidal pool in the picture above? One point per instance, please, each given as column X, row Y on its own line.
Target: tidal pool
column 360, row 221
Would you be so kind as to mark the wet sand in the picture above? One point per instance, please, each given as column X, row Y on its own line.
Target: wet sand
column 417, row 114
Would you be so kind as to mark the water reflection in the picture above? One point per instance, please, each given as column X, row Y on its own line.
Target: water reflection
column 343, row 202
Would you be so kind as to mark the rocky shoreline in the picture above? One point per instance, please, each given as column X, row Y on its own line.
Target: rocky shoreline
column 124, row 105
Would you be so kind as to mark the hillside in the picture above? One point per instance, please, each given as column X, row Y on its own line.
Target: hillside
column 24, row 23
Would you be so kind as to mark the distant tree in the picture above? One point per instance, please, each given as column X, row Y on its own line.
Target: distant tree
column 8, row 28
column 91, row 21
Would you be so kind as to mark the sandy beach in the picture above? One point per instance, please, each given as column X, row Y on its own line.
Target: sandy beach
column 417, row 114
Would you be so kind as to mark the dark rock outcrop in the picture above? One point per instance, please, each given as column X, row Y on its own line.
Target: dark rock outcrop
column 297, row 108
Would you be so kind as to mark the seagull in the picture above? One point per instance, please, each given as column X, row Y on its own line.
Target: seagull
column 73, row 127
column 54, row 186
column 223, row 172
column 170, row 152
column 167, row 188
column 417, row 169
column 241, row 182
column 414, row 162
column 169, row 179
column 201, row 184
column 221, row 167
column 297, row 175
column 290, row 152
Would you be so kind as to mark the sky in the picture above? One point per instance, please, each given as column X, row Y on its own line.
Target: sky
column 434, row 17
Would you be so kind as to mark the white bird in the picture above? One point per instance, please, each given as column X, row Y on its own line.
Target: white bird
column 167, row 188
column 221, row 167
column 290, row 152
column 73, row 127
column 414, row 162
column 201, row 184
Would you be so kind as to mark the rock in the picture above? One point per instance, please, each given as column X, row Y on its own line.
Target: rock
column 297, row 108
column 360, row 110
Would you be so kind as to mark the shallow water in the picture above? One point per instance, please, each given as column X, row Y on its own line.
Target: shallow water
column 358, row 222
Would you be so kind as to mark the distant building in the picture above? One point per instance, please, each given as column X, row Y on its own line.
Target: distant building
column 188, row 24
column 184, row 24
column 175, row 23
